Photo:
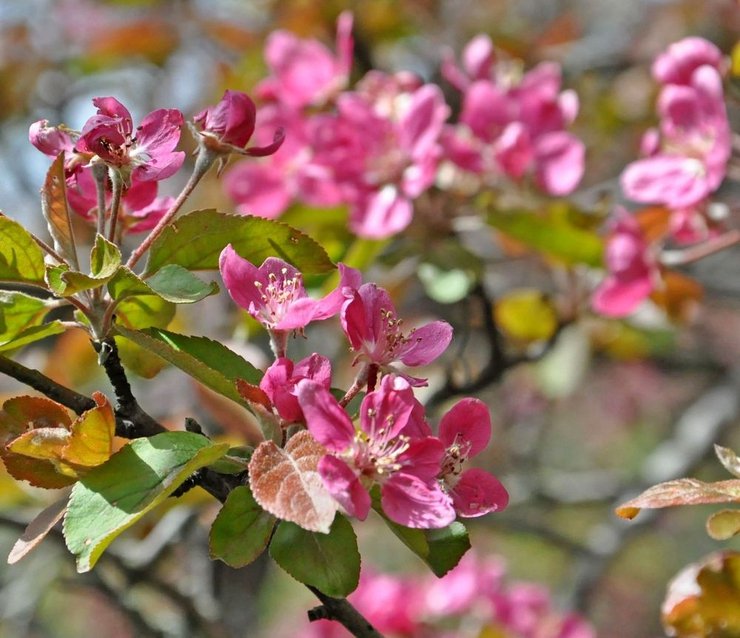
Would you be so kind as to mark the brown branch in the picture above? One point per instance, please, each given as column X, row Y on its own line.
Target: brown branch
column 342, row 611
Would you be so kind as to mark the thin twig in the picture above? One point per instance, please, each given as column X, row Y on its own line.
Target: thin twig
column 341, row 611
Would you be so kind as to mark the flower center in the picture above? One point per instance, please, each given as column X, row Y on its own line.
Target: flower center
column 278, row 295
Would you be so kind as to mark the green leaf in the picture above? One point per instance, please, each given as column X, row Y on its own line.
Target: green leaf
column 178, row 285
column 241, row 530
column 330, row 562
column 144, row 311
column 105, row 258
column 126, row 283
column 21, row 259
column 440, row 549
column 21, row 320
column 552, row 234
column 195, row 242
column 210, row 362
column 56, row 211
column 115, row 495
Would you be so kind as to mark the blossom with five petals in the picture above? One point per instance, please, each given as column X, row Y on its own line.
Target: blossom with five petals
column 375, row 332
column 146, row 153
column 379, row 452
column 465, row 432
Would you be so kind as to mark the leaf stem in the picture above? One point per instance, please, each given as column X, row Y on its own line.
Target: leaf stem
column 115, row 203
column 202, row 163
column 100, row 174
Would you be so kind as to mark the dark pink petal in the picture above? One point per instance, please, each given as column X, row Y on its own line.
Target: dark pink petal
column 111, row 107
column 315, row 367
column 385, row 412
column 425, row 344
column 269, row 149
column 478, row 57
column 139, row 194
column 50, row 140
column 514, row 151
column 413, row 502
column 478, row 493
column 421, row 125
column 156, row 137
column 350, row 280
column 239, row 277
column 678, row 63
column 423, row 458
column 144, row 219
column 417, row 426
column 355, row 320
column 344, row 486
column 487, row 110
column 232, row 119
column 276, row 385
column 381, row 214
column 467, row 422
column 326, row 419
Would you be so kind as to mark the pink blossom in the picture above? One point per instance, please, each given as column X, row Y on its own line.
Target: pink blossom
column 375, row 332
column 305, row 72
column 50, row 140
column 514, row 125
column 632, row 271
column 379, row 452
column 229, row 125
column 146, row 153
column 676, row 65
column 465, row 431
column 478, row 58
column 274, row 294
column 280, row 380
column 140, row 208
column 688, row 157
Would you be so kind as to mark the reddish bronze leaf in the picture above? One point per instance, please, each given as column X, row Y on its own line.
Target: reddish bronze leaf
column 37, row 530
column 286, row 483
column 253, row 393
column 682, row 492
column 55, row 209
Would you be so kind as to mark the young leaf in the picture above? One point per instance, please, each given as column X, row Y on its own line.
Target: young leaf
column 207, row 361
column 21, row 259
column 681, row 492
column 178, row 285
column 135, row 480
column 21, row 320
column 31, row 335
column 241, row 530
column 196, row 240
column 330, row 562
column 105, row 258
column 37, row 530
column 56, row 211
column 286, row 482
column 144, row 311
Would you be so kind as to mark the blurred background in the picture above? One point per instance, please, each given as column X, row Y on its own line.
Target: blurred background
column 587, row 413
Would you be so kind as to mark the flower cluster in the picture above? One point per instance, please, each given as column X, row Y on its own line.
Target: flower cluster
column 378, row 147
column 473, row 600
column 420, row 477
column 685, row 161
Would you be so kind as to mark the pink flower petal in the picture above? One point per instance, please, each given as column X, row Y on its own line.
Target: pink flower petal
column 326, row 419
column 468, row 421
column 478, row 493
column 618, row 298
column 413, row 502
column 560, row 159
column 344, row 486
column 425, row 344
column 385, row 412
column 423, row 458
column 676, row 181
column 239, row 277
column 258, row 189
column 381, row 214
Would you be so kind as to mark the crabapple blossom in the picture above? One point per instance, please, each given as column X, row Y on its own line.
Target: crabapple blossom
column 379, row 452
column 465, row 432
column 229, row 125
column 50, row 140
column 146, row 153
column 274, row 294
column 632, row 269
column 676, row 65
column 281, row 378
column 375, row 333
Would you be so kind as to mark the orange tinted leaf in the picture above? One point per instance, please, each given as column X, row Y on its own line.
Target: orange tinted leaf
column 37, row 472
column 286, row 483
column 653, row 222
column 703, row 600
column 41, row 443
column 21, row 413
column 229, row 34
column 56, row 211
column 37, row 530
column 91, row 441
column 678, row 295
column 682, row 492
column 151, row 39
column 253, row 393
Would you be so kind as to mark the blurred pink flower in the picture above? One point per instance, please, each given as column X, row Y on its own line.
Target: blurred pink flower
column 379, row 452
column 375, row 333
column 465, row 431
column 274, row 294
column 632, row 271
column 676, row 65
column 305, row 72
column 146, row 153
